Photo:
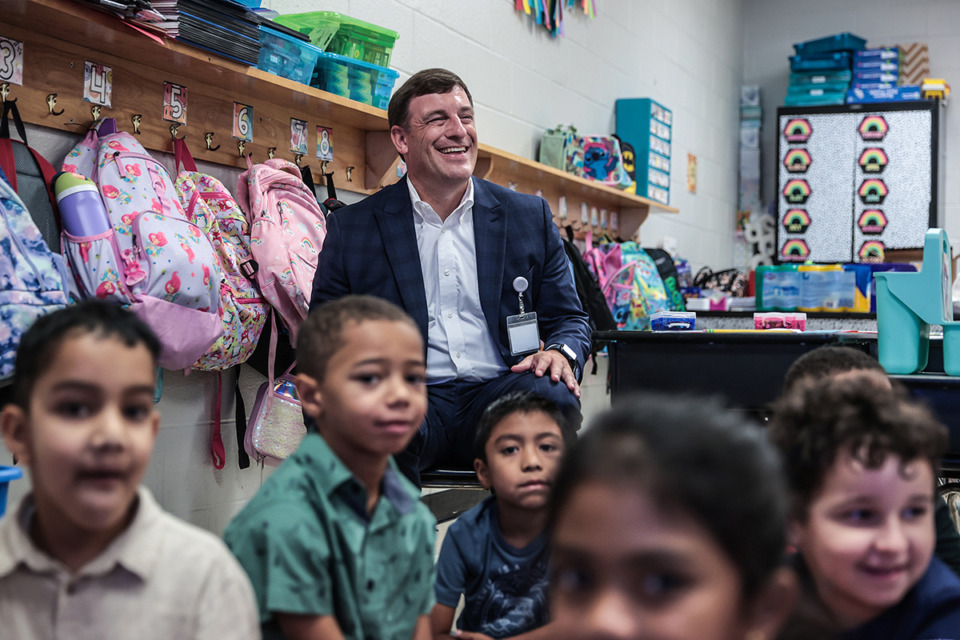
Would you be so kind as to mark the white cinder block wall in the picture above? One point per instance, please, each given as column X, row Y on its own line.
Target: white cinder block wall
column 770, row 27
column 686, row 54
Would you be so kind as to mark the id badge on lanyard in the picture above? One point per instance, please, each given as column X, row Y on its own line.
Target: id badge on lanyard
column 522, row 330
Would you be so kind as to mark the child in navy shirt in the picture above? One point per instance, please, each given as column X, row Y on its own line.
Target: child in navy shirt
column 495, row 554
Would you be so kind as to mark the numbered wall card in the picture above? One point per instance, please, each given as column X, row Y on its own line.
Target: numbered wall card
column 242, row 122
column 174, row 103
column 298, row 136
column 97, row 83
column 11, row 61
column 325, row 144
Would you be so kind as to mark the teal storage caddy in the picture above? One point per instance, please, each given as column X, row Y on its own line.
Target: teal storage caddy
column 909, row 302
column 7, row 475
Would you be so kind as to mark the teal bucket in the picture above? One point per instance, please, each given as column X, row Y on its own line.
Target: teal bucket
column 6, row 475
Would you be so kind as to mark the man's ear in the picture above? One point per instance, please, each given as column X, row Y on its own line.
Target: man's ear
column 772, row 606
column 311, row 400
column 399, row 137
column 483, row 473
column 14, row 429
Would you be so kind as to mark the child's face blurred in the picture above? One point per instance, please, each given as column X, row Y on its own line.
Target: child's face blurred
column 523, row 456
column 373, row 396
column 868, row 535
column 88, row 433
column 625, row 569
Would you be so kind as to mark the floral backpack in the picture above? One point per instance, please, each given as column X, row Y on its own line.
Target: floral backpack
column 153, row 259
column 243, row 311
column 32, row 278
column 287, row 229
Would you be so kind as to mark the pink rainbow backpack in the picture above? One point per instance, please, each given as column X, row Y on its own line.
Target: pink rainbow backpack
column 243, row 311
column 287, row 229
column 154, row 260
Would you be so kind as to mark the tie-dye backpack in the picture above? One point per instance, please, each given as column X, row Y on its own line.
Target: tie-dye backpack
column 153, row 259
column 287, row 229
column 243, row 310
column 32, row 278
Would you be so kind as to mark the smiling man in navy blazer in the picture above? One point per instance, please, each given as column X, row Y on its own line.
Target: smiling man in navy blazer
column 457, row 253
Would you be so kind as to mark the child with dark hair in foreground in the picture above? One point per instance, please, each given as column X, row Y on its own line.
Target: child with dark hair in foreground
column 861, row 462
column 668, row 521
column 496, row 554
column 336, row 542
column 89, row 553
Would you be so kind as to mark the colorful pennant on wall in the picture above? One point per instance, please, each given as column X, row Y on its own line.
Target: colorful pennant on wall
column 549, row 13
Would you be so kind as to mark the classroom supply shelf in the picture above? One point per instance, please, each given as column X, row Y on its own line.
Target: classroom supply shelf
column 60, row 36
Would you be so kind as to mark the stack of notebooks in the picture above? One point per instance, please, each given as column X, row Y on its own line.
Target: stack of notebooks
column 821, row 70
column 223, row 27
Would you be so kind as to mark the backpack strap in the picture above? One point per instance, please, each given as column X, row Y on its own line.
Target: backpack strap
column 182, row 156
column 243, row 458
column 216, row 445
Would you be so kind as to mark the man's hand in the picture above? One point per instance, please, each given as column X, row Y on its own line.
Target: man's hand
column 553, row 362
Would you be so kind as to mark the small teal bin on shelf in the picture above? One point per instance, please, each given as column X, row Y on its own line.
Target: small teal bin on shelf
column 909, row 302
column 7, row 474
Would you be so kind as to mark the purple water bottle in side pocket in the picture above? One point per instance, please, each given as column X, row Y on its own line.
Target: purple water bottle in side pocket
column 82, row 211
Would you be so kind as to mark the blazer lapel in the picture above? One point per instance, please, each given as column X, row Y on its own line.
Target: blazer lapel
column 489, row 228
column 399, row 237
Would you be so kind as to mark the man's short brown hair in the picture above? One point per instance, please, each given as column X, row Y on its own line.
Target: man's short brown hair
column 420, row 84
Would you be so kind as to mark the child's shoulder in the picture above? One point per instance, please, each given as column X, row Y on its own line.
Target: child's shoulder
column 186, row 543
column 477, row 520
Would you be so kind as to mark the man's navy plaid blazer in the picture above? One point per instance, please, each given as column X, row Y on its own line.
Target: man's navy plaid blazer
column 371, row 248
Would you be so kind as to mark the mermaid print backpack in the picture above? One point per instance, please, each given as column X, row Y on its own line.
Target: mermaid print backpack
column 153, row 260
column 32, row 278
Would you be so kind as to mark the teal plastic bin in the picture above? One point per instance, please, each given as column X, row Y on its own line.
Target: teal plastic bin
column 7, row 475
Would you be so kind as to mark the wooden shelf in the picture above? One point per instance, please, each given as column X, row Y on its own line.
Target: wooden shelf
column 54, row 64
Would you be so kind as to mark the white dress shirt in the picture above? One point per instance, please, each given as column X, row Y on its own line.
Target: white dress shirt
column 459, row 344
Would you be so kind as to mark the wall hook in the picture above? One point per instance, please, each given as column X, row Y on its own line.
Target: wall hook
column 241, row 146
column 208, row 138
column 323, row 167
column 135, row 120
column 95, row 112
column 349, row 171
column 297, row 158
column 5, row 91
column 174, row 130
column 271, row 152
column 52, row 103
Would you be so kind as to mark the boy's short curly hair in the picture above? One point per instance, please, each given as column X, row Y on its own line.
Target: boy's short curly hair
column 861, row 415
column 321, row 334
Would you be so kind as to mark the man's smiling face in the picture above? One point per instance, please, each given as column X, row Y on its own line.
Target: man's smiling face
column 438, row 141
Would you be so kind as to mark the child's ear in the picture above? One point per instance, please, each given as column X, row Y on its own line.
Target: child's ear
column 483, row 473
column 14, row 427
column 772, row 607
column 311, row 400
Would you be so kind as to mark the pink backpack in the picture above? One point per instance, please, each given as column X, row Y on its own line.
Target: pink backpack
column 243, row 311
column 152, row 259
column 287, row 229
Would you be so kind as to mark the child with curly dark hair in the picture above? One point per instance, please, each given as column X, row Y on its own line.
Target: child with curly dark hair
column 861, row 460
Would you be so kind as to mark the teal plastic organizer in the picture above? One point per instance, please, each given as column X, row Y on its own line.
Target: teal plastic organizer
column 7, row 475
column 909, row 302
